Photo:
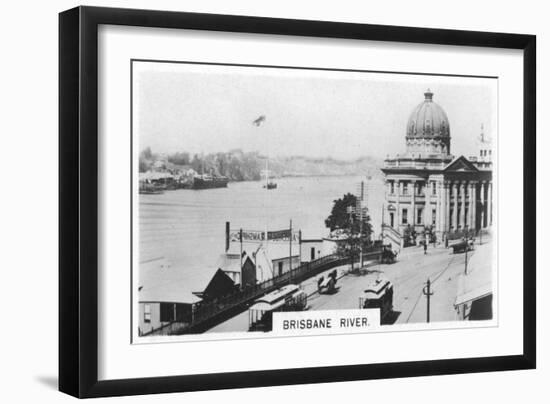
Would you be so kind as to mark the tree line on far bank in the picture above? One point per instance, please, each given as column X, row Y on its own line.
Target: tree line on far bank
column 238, row 165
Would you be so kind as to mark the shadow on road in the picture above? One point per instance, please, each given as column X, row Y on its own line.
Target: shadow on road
column 365, row 271
column 330, row 292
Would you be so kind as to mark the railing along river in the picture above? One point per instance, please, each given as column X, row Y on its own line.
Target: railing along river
column 207, row 312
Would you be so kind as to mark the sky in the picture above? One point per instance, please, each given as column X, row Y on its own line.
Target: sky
column 338, row 114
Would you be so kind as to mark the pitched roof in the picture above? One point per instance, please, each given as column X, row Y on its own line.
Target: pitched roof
column 461, row 163
column 167, row 293
column 160, row 282
column 478, row 283
column 230, row 262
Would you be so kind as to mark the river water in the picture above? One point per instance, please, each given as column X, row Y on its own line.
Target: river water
column 187, row 227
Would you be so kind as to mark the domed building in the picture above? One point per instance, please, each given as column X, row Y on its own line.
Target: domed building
column 428, row 130
column 431, row 191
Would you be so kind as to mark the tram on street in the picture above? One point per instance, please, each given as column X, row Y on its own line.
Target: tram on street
column 287, row 298
column 378, row 295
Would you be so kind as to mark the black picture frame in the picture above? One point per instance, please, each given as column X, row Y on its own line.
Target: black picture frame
column 78, row 200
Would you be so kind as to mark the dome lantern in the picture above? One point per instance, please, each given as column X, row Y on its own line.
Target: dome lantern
column 428, row 95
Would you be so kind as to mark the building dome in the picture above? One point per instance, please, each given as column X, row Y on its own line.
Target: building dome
column 428, row 130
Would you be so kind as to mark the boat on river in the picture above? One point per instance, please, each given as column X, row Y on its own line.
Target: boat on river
column 207, row 181
column 269, row 184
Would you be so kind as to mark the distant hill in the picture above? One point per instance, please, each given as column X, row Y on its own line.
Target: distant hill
column 246, row 166
column 307, row 166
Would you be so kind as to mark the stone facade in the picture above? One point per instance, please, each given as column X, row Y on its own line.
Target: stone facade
column 427, row 187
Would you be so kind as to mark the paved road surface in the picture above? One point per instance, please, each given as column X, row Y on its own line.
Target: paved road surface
column 409, row 275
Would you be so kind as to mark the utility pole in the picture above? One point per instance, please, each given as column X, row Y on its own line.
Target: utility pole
column 290, row 254
column 361, row 224
column 350, row 211
column 427, row 292
column 241, row 242
column 227, row 235
column 300, row 245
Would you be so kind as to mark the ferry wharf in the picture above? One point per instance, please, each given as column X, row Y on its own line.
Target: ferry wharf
column 211, row 313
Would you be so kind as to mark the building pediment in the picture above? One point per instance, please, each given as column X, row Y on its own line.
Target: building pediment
column 460, row 164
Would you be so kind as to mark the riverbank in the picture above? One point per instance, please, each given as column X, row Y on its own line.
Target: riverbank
column 187, row 228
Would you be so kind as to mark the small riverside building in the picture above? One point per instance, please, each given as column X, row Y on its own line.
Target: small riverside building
column 429, row 188
column 311, row 249
column 230, row 263
column 162, row 299
column 220, row 285
column 270, row 259
column 159, row 308
column 271, row 253
column 282, row 257
column 157, row 177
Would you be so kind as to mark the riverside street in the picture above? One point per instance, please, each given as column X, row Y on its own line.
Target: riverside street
column 408, row 275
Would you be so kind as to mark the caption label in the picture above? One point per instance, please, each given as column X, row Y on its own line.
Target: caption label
column 326, row 321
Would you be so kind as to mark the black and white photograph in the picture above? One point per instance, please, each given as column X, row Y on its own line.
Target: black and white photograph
column 275, row 202
column 288, row 201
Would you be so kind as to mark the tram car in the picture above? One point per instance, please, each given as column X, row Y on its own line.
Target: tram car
column 287, row 298
column 328, row 284
column 378, row 295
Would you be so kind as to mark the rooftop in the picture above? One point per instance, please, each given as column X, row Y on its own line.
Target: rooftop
column 160, row 282
column 478, row 282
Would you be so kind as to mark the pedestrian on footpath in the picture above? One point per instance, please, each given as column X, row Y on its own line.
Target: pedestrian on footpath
column 425, row 247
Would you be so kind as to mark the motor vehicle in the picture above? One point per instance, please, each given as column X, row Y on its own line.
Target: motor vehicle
column 327, row 284
column 463, row 246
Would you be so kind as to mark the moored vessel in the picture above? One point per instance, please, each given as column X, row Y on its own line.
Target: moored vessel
column 206, row 181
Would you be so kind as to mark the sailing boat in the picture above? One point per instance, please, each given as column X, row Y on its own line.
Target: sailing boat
column 268, row 184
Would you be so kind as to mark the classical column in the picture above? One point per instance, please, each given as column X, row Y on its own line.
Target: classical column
column 447, row 205
column 427, row 205
column 413, row 200
column 469, row 199
column 440, row 206
column 398, row 188
column 455, row 206
column 443, row 221
column 474, row 204
column 462, row 203
column 483, row 207
column 437, row 207
column 490, row 204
